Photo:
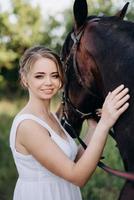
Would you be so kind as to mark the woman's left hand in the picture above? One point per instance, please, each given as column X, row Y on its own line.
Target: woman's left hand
column 114, row 105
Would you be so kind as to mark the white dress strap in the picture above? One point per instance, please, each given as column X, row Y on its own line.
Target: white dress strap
column 18, row 119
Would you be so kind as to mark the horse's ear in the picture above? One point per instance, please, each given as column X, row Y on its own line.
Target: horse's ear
column 80, row 10
column 121, row 13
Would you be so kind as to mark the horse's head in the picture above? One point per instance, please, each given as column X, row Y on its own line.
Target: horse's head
column 83, row 91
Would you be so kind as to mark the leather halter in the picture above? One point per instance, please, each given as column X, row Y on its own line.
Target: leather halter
column 65, row 99
column 76, row 37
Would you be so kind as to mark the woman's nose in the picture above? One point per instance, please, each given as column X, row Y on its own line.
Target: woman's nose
column 48, row 80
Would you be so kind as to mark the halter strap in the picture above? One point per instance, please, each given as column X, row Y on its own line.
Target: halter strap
column 76, row 37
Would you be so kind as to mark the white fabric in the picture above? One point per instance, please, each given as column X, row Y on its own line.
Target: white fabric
column 35, row 182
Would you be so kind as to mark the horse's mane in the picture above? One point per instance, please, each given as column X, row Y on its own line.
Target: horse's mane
column 123, row 27
column 65, row 49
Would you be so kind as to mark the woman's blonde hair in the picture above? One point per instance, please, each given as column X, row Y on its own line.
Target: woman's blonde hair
column 31, row 55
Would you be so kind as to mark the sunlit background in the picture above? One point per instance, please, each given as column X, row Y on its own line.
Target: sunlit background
column 24, row 23
column 47, row 6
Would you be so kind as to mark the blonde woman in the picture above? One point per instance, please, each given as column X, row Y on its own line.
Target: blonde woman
column 49, row 163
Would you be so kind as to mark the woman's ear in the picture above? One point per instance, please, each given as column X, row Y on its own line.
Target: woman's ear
column 24, row 81
column 60, row 85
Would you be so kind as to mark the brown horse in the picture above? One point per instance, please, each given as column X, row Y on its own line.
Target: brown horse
column 98, row 55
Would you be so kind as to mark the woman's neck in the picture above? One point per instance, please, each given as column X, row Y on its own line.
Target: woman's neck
column 38, row 107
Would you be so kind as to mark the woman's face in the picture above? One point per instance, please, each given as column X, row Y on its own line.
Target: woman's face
column 43, row 79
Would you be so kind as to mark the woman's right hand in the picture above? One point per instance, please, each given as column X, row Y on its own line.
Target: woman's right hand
column 114, row 105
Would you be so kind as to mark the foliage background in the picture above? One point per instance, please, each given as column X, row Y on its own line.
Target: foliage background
column 21, row 27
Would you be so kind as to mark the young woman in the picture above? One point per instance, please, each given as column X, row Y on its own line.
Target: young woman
column 48, row 161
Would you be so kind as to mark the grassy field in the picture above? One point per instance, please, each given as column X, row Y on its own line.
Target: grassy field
column 102, row 186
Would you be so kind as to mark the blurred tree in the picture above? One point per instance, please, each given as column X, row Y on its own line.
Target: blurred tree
column 20, row 28
column 53, row 31
column 110, row 7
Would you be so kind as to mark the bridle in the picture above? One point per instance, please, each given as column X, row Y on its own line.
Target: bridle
column 66, row 100
column 65, row 97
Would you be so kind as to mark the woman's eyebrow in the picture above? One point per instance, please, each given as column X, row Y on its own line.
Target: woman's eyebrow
column 45, row 73
column 40, row 73
column 54, row 72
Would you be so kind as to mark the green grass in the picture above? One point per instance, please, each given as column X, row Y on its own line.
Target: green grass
column 8, row 173
column 101, row 186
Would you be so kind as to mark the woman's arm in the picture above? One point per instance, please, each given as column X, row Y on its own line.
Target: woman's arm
column 91, row 123
column 114, row 105
column 38, row 143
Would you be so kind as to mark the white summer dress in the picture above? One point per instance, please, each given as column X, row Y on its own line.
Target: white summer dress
column 35, row 182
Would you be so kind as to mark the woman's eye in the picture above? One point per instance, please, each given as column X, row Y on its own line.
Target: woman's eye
column 56, row 76
column 39, row 76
